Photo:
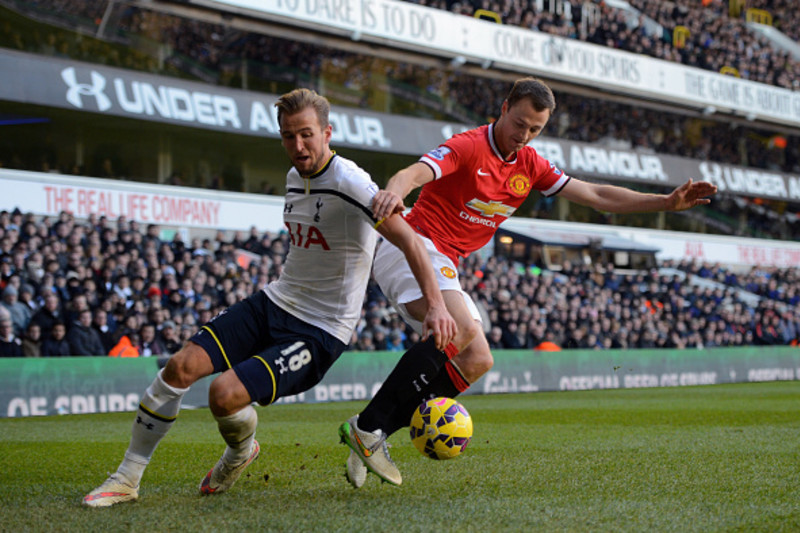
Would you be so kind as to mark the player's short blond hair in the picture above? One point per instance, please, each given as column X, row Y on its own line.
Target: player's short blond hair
column 535, row 91
column 301, row 99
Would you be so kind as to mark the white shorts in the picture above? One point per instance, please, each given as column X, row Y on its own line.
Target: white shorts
column 399, row 285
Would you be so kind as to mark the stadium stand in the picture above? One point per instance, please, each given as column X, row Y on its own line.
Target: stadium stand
column 210, row 52
column 140, row 283
column 713, row 38
column 214, row 54
column 715, row 35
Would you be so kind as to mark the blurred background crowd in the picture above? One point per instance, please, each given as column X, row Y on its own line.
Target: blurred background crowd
column 231, row 57
column 99, row 288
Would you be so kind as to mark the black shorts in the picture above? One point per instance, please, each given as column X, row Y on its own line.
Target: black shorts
column 274, row 353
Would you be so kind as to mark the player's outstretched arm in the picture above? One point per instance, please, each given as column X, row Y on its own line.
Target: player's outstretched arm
column 390, row 200
column 690, row 194
column 614, row 199
column 438, row 321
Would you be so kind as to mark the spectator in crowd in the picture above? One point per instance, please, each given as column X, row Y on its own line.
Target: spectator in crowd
column 149, row 344
column 82, row 338
column 20, row 313
column 514, row 335
column 395, row 343
column 597, row 298
column 26, row 297
column 495, row 338
column 76, row 305
column 126, row 345
column 169, row 337
column 187, row 331
column 10, row 344
column 365, row 342
column 32, row 341
column 104, row 331
column 56, row 344
column 379, row 340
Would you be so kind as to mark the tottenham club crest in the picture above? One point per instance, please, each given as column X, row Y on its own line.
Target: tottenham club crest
column 319, row 206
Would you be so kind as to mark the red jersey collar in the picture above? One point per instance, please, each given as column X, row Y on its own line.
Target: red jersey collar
column 495, row 149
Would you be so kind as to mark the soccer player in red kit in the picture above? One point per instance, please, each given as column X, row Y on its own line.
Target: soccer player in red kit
column 470, row 185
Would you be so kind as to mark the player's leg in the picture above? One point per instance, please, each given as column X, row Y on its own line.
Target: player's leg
column 158, row 409
column 365, row 433
column 451, row 381
column 230, row 403
column 235, row 331
column 420, row 364
column 298, row 358
column 423, row 361
column 231, row 339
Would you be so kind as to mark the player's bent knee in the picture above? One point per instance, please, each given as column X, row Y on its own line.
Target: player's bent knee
column 189, row 364
column 467, row 334
column 227, row 395
column 474, row 363
column 220, row 400
column 474, row 330
column 484, row 363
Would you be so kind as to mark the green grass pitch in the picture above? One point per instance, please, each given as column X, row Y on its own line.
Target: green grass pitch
column 718, row 458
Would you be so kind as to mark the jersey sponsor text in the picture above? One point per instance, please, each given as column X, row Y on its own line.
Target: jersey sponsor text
column 475, row 219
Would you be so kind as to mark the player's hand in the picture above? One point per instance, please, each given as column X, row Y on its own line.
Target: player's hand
column 690, row 194
column 441, row 325
column 386, row 203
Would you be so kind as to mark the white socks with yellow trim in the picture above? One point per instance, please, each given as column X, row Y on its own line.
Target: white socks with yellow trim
column 158, row 409
column 238, row 430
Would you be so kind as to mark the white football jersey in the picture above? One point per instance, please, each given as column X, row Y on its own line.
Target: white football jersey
column 330, row 223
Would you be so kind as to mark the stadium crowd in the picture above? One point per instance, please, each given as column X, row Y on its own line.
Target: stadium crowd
column 97, row 287
column 716, row 37
column 70, row 287
column 216, row 54
column 613, row 124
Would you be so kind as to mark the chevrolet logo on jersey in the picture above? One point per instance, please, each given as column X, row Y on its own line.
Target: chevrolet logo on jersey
column 491, row 209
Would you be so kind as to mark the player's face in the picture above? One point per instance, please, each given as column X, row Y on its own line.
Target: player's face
column 518, row 125
column 306, row 142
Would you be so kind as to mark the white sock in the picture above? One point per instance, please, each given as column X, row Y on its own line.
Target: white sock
column 238, row 430
column 158, row 409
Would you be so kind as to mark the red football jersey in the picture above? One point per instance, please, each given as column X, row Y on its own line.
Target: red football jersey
column 475, row 189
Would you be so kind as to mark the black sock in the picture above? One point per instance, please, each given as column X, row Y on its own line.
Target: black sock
column 421, row 363
column 440, row 385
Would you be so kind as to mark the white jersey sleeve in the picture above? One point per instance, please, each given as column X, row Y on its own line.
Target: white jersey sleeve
column 330, row 225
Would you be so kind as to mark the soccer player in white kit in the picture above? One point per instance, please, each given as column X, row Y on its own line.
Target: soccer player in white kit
column 282, row 340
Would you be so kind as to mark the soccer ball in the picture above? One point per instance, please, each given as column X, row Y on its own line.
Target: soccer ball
column 441, row 428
